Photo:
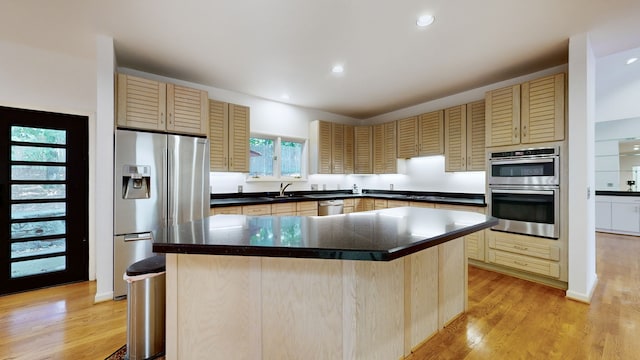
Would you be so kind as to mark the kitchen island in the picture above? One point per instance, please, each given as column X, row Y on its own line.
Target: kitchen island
column 370, row 285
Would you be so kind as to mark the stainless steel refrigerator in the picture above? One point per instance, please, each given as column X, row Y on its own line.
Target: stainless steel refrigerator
column 160, row 179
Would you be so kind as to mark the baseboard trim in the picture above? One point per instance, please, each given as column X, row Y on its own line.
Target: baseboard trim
column 106, row 296
column 585, row 298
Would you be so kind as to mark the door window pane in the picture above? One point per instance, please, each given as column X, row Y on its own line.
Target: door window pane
column 38, row 135
column 38, row 210
column 38, row 266
column 38, row 191
column 37, row 228
column 38, row 247
column 38, row 172
column 291, row 158
column 38, row 154
column 262, row 151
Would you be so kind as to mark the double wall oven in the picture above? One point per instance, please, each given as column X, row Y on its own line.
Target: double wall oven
column 524, row 191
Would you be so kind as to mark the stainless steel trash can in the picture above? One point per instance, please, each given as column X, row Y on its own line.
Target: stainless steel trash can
column 330, row 207
column 146, row 308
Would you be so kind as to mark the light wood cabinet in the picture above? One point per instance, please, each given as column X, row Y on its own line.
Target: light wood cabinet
column 228, row 210
column 349, row 206
column 421, row 135
column 525, row 253
column 464, row 137
column 379, row 204
column 363, row 163
column 475, row 242
column 396, row 203
column 229, row 136
column 153, row 105
column 254, row 210
column 288, row 208
column 533, row 112
column 384, row 148
column 331, row 147
column 307, row 208
column 365, row 204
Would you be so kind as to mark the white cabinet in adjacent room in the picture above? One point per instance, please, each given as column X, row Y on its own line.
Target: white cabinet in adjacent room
column 618, row 214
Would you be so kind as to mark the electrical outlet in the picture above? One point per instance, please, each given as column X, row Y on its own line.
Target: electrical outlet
column 390, row 186
column 239, row 188
column 314, row 187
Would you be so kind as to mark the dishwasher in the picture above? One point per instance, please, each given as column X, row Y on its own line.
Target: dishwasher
column 330, row 207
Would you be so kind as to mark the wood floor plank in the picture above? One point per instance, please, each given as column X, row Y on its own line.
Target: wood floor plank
column 508, row 318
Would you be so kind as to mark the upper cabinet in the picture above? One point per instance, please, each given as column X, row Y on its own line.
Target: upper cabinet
column 384, row 148
column 331, row 147
column 229, row 136
column 363, row 161
column 533, row 112
column 153, row 105
column 464, row 137
column 421, row 135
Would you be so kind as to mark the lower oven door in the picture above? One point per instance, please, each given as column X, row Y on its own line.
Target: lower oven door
column 529, row 210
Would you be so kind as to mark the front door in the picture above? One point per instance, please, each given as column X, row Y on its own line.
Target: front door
column 43, row 199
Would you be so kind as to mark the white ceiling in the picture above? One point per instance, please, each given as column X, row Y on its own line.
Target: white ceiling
column 266, row 48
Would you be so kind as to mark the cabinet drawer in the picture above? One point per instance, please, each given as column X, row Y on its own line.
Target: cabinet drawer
column 307, row 205
column 538, row 266
column 379, row 204
column 264, row 209
column 283, row 208
column 313, row 212
column 232, row 210
column 422, row 204
column 349, row 202
column 525, row 248
column 348, row 209
column 396, row 203
column 475, row 245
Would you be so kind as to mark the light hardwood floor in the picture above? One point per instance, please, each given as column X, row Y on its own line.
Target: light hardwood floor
column 508, row 318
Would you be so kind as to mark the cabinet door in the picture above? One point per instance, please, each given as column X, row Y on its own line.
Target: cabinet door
column 543, row 109
column 430, row 133
column 187, row 110
column 455, row 144
column 603, row 215
column 348, row 149
column 238, row 138
column 390, row 136
column 625, row 217
column 218, row 135
column 378, row 149
column 503, row 116
column 337, row 148
column 321, row 152
column 476, row 136
column 408, row 137
column 141, row 103
column 363, row 158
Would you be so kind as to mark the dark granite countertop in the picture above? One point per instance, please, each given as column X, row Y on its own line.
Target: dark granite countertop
column 617, row 193
column 380, row 235
column 221, row 200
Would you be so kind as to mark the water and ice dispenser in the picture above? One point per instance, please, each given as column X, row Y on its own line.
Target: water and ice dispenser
column 136, row 182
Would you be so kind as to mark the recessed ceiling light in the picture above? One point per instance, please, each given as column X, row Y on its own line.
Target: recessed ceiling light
column 425, row 20
column 337, row 69
column 631, row 61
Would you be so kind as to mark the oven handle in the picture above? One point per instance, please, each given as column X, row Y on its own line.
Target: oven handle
column 523, row 192
column 523, row 161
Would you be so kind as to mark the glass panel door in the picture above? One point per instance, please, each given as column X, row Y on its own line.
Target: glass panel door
column 44, row 181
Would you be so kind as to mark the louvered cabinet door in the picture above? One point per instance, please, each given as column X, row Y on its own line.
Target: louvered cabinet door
column 187, row 110
column 476, row 157
column 431, row 134
column 323, row 129
column 543, row 109
column 218, row 135
column 407, row 146
column 238, row 138
column 503, row 116
column 141, row 103
column 378, row 149
column 337, row 148
column 455, row 138
column 362, row 140
column 390, row 136
column 348, row 149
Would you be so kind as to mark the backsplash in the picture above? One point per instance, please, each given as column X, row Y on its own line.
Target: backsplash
column 420, row 174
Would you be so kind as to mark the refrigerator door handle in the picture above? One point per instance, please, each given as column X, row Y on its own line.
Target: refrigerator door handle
column 170, row 194
column 164, row 178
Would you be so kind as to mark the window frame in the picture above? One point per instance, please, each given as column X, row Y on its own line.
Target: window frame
column 277, row 169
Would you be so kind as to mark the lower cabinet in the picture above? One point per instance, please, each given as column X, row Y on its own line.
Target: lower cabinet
column 307, row 208
column 349, row 206
column 475, row 243
column 284, row 209
column 536, row 255
column 228, row 210
column 618, row 214
column 262, row 209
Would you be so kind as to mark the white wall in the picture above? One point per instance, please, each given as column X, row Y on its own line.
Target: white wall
column 618, row 86
column 582, row 257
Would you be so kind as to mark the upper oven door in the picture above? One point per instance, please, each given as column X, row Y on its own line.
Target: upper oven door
column 538, row 171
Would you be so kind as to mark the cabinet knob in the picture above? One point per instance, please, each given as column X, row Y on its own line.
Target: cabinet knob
column 515, row 132
column 161, row 118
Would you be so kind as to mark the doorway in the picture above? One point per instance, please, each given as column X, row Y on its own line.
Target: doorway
column 43, row 199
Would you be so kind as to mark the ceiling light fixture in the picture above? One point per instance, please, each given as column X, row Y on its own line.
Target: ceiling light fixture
column 425, row 20
column 632, row 60
column 337, row 69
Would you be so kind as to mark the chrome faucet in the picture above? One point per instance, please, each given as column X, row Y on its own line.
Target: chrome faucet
column 282, row 189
